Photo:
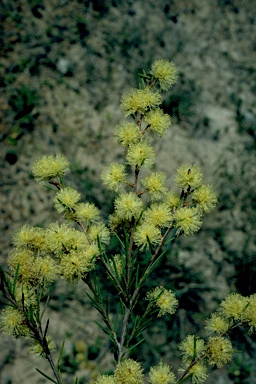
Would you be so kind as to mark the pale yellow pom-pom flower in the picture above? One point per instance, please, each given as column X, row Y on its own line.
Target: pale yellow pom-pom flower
column 49, row 167
column 189, row 175
column 191, row 347
column 219, row 351
column 217, row 324
column 159, row 214
column 113, row 175
column 165, row 71
column 164, row 299
column 128, row 372
column 127, row 134
column 161, row 374
column 140, row 100
column 141, row 154
column 187, row 220
column 205, row 198
column 128, row 206
column 87, row 212
column 233, row 306
column 158, row 121
column 155, row 184
column 66, row 199
column 12, row 322
column 147, row 234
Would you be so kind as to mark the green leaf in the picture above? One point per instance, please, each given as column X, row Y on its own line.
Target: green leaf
column 45, row 375
column 185, row 378
column 15, row 279
column 106, row 331
column 61, row 352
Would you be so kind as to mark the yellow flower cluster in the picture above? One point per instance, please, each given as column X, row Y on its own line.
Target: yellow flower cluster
column 164, row 71
column 12, row 322
column 188, row 220
column 147, row 234
column 216, row 323
column 141, row 154
column 234, row 306
column 113, row 176
column 105, row 379
column 128, row 206
column 155, row 184
column 158, row 121
column 189, row 175
column 164, row 299
column 128, row 372
column 191, row 347
column 161, row 374
column 37, row 349
column 66, row 200
column 140, row 100
column 127, row 134
column 159, row 215
column 50, row 167
column 219, row 351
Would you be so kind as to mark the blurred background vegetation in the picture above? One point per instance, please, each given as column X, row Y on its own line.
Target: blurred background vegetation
column 64, row 65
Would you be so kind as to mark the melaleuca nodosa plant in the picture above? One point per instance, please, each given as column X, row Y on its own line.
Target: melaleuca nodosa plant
column 147, row 214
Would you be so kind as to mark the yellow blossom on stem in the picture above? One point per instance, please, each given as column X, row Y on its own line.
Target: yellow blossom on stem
column 155, row 184
column 147, row 234
column 189, row 176
column 87, row 212
column 30, row 237
column 99, row 232
column 127, row 134
column 191, row 348
column 164, row 299
column 128, row 372
column 159, row 214
column 25, row 294
column 249, row 314
column 217, row 324
column 49, row 167
column 105, row 379
column 113, row 176
column 205, row 198
column 12, row 322
column 158, row 121
column 75, row 265
column 128, row 206
column 66, row 199
column 60, row 237
column 140, row 100
column 199, row 373
column 234, row 306
column 187, row 220
column 37, row 349
column 48, row 270
column 25, row 260
column 219, row 351
column 165, row 71
column 172, row 199
column 141, row 154
column 161, row 374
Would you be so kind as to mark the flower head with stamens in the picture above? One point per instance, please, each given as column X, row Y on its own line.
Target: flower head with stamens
column 140, row 154
column 49, row 167
column 165, row 71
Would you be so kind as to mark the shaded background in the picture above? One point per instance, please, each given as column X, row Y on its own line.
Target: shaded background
column 64, row 66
